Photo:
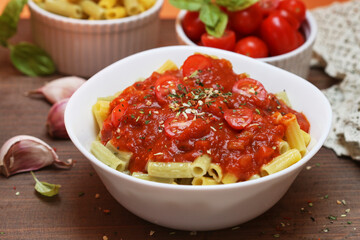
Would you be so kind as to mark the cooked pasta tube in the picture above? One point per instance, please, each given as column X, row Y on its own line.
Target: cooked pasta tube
column 125, row 156
column 255, row 176
column 115, row 12
column 283, row 146
column 229, row 178
column 215, row 172
column 145, row 176
column 169, row 169
column 293, row 134
column 284, row 97
column 168, row 65
column 132, row 7
column 107, row 3
column 101, row 110
column 92, row 9
column 306, row 136
column 147, row 3
column 106, row 156
column 281, row 162
column 204, row 181
column 63, row 8
column 200, row 165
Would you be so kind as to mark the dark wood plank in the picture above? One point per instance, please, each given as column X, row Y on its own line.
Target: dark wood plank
column 303, row 213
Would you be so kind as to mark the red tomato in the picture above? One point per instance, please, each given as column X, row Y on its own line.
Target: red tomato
column 118, row 112
column 192, row 26
column 238, row 118
column 294, row 22
column 246, row 21
column 278, row 34
column 106, row 131
column 252, row 46
column 226, row 42
column 182, row 128
column 194, row 63
column 250, row 88
column 300, row 37
column 295, row 7
column 267, row 6
column 165, row 86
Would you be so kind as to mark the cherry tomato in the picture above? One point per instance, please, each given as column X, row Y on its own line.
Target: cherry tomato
column 250, row 88
column 192, row 26
column 182, row 128
column 165, row 86
column 252, row 46
column 118, row 112
column 194, row 63
column 238, row 118
column 278, row 34
column 292, row 20
column 246, row 21
column 300, row 37
column 226, row 42
column 295, row 7
column 267, row 6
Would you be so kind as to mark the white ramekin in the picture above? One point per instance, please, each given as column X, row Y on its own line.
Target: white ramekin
column 296, row 61
column 83, row 47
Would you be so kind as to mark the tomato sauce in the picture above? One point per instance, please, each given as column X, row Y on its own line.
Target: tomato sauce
column 203, row 108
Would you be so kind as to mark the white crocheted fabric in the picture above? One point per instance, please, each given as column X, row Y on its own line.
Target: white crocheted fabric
column 337, row 48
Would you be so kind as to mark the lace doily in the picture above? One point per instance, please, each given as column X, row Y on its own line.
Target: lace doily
column 337, row 48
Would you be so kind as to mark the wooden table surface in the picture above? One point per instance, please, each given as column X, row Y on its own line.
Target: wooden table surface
column 328, row 188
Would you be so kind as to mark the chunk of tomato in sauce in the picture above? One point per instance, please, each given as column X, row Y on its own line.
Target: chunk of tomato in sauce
column 166, row 87
column 238, row 118
column 196, row 62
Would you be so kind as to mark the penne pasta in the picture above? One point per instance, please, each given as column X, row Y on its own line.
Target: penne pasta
column 168, row 65
column 215, row 172
column 200, row 165
column 229, row 178
column 107, row 3
column 115, row 12
column 63, row 8
column 204, row 181
column 169, row 169
column 101, row 110
column 293, row 133
column 145, row 176
column 107, row 157
column 93, row 10
column 132, row 7
column 281, row 162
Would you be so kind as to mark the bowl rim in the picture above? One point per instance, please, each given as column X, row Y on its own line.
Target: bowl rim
column 172, row 187
column 156, row 7
column 308, row 42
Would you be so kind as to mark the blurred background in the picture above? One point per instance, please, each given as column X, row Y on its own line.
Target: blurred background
column 169, row 11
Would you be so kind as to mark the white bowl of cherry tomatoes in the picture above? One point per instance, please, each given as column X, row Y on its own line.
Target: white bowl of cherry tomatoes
column 279, row 32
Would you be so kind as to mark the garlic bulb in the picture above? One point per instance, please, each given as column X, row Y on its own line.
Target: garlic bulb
column 59, row 89
column 55, row 120
column 26, row 153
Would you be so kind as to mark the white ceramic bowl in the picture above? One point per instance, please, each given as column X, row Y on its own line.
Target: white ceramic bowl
column 194, row 207
column 296, row 61
column 83, row 47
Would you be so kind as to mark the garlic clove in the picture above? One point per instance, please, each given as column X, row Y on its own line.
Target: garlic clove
column 58, row 89
column 55, row 120
column 26, row 153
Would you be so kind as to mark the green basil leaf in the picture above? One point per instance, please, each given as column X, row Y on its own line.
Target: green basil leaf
column 209, row 15
column 31, row 60
column 9, row 20
column 190, row 5
column 218, row 29
column 236, row 5
column 46, row 189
